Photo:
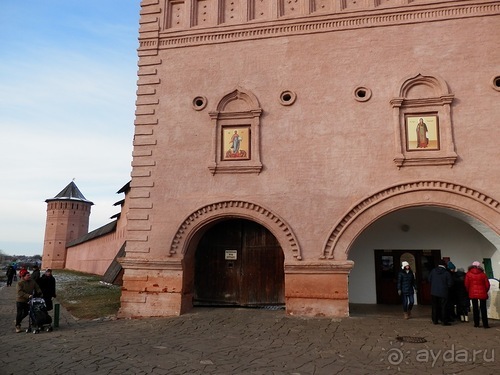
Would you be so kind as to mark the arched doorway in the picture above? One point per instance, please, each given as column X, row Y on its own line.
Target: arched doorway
column 388, row 266
column 239, row 262
column 422, row 236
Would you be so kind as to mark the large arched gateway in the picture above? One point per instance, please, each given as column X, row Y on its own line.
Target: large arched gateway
column 420, row 222
column 421, row 236
column 234, row 253
column 239, row 262
column 429, row 193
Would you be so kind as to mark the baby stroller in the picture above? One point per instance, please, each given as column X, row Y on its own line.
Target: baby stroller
column 39, row 318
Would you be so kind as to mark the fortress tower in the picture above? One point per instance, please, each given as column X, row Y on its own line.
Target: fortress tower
column 67, row 219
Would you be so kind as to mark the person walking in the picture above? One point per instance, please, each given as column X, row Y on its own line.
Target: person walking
column 26, row 289
column 14, row 265
column 11, row 272
column 406, row 288
column 47, row 284
column 478, row 285
column 35, row 274
column 441, row 282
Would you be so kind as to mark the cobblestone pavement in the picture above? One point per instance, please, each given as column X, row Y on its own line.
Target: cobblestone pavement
column 249, row 341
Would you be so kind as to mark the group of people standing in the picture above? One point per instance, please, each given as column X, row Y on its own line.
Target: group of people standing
column 31, row 285
column 452, row 292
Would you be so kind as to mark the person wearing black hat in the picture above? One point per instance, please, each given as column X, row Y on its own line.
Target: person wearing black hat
column 11, row 272
column 441, row 282
column 35, row 274
column 461, row 295
column 47, row 284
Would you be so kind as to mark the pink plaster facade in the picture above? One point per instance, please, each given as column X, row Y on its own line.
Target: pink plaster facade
column 325, row 90
column 95, row 256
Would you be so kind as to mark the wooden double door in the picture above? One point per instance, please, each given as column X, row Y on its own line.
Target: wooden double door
column 239, row 262
column 388, row 265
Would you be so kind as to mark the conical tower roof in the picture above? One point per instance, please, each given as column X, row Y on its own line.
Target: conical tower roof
column 70, row 192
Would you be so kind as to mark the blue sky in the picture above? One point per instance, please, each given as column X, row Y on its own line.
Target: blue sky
column 68, row 72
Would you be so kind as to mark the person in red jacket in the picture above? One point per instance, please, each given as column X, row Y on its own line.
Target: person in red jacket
column 478, row 285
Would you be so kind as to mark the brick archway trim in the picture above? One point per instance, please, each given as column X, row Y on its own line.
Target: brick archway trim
column 232, row 208
column 410, row 194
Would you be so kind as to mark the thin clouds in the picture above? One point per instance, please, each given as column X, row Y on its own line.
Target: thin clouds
column 61, row 88
column 44, row 164
column 67, row 93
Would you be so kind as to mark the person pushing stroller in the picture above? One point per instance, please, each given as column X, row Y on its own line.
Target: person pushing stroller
column 26, row 289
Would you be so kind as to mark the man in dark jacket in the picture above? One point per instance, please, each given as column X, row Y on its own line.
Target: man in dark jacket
column 35, row 275
column 11, row 272
column 441, row 282
column 47, row 284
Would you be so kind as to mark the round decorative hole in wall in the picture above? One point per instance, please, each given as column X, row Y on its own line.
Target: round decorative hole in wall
column 496, row 83
column 287, row 97
column 199, row 103
column 362, row 94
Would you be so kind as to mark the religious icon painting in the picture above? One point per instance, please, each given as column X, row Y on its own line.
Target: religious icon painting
column 235, row 143
column 422, row 132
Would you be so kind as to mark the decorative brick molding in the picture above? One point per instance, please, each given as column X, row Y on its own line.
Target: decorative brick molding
column 150, row 265
column 462, row 193
column 423, row 95
column 246, row 210
column 237, row 108
column 143, row 163
column 318, row 267
column 152, row 37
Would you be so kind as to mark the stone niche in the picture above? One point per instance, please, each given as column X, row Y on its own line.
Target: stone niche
column 423, row 97
column 237, row 111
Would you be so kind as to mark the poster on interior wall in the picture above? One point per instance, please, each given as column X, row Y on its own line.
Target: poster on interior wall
column 422, row 132
column 236, row 143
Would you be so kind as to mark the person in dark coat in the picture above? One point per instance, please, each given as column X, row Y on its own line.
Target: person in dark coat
column 452, row 300
column 441, row 282
column 26, row 289
column 478, row 285
column 35, row 275
column 11, row 272
column 461, row 296
column 47, row 284
column 406, row 288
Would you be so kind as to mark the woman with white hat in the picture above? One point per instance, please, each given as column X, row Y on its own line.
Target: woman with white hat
column 406, row 288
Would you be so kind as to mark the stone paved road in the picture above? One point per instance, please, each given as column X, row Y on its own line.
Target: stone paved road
column 248, row 341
